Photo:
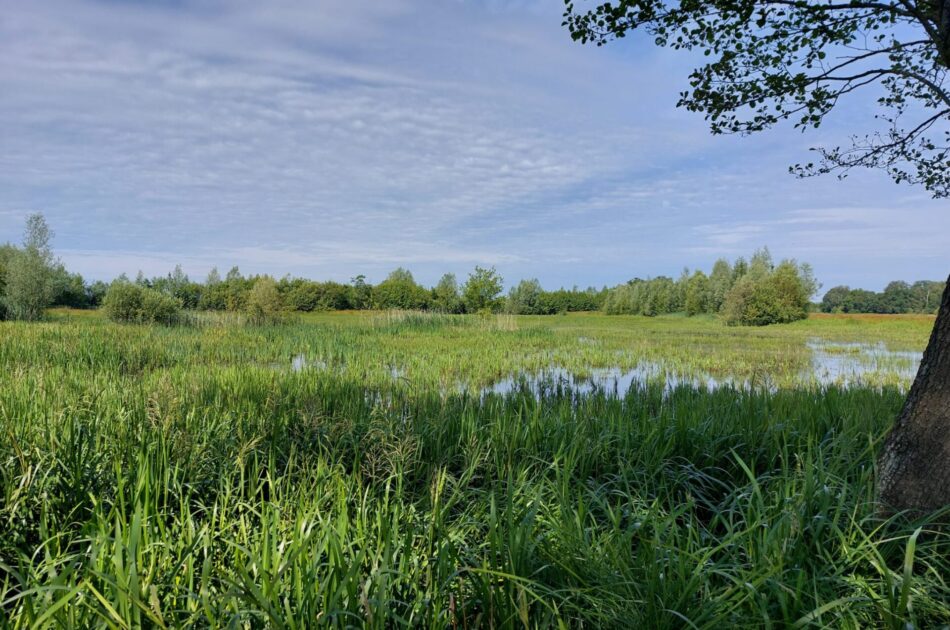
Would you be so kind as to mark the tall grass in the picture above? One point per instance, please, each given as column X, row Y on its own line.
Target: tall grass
column 173, row 477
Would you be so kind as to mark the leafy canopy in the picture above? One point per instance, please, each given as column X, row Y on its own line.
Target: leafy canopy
column 776, row 60
column 482, row 290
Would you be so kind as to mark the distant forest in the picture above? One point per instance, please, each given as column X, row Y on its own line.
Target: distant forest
column 922, row 296
column 753, row 292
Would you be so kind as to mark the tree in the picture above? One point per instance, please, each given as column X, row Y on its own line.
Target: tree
column 770, row 294
column 697, row 294
column 720, row 281
column 836, row 300
column 525, row 298
column 213, row 277
column 898, row 297
column 29, row 283
column 96, row 292
column 7, row 252
column 361, row 293
column 760, row 265
column 793, row 60
column 400, row 290
column 69, row 289
column 482, row 290
column 306, row 295
column 264, row 304
column 445, row 295
column 926, row 296
column 751, row 302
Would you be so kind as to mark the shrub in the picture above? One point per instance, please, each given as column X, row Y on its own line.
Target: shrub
column 751, row 303
column 131, row 303
column 264, row 304
column 400, row 291
column 779, row 297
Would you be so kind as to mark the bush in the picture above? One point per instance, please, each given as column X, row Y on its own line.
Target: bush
column 751, row 303
column 777, row 298
column 131, row 303
column 400, row 291
column 264, row 304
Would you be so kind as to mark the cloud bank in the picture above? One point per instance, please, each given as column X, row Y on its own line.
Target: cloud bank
column 334, row 138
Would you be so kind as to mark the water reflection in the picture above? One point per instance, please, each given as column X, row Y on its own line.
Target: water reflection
column 608, row 381
column 832, row 363
column 837, row 363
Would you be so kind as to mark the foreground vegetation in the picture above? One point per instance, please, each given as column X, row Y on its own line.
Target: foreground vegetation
column 188, row 476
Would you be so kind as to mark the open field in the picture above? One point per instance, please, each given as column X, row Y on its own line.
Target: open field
column 381, row 469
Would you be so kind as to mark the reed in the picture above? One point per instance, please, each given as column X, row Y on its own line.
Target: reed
column 179, row 477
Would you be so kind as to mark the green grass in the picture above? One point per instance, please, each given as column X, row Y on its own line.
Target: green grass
column 187, row 477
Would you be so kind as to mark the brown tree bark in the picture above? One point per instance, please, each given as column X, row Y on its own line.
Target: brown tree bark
column 914, row 465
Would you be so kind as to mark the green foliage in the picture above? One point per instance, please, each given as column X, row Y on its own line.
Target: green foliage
column 525, row 298
column 264, row 305
column 752, row 302
column 177, row 285
column 400, row 291
column 528, row 298
column 769, row 296
column 7, row 252
column 29, row 273
column 70, row 290
column 770, row 62
column 173, row 477
column 214, row 277
column 754, row 293
column 361, row 293
column 698, row 294
column 96, row 293
column 653, row 297
column 306, row 295
column 720, row 281
column 445, row 295
column 229, row 294
column 482, row 291
column 571, row 300
column 131, row 303
column 922, row 296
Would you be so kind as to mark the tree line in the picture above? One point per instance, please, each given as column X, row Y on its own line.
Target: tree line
column 753, row 292
column 33, row 279
column 480, row 292
column 756, row 292
column 922, row 296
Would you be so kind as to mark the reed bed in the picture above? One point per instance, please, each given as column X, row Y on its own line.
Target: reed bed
column 188, row 477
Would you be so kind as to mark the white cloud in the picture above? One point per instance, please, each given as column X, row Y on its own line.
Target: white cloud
column 336, row 138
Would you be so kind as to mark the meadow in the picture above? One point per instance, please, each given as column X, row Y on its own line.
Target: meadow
column 368, row 470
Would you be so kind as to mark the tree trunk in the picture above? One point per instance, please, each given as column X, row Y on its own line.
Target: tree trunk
column 914, row 465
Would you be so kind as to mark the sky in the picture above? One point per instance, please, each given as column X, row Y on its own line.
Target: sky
column 330, row 138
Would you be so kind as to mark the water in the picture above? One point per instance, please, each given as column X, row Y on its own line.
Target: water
column 300, row 362
column 836, row 363
column 832, row 363
column 608, row 381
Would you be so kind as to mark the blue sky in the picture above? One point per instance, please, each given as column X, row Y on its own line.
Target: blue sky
column 336, row 137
